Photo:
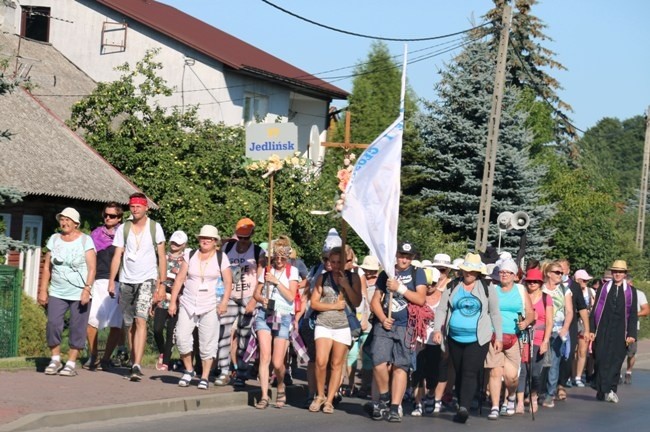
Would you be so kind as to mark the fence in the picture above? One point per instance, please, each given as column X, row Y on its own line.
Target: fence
column 11, row 282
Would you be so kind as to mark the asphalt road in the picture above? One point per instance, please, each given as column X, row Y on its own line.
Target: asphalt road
column 581, row 412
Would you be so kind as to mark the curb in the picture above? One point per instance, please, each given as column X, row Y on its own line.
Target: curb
column 163, row 406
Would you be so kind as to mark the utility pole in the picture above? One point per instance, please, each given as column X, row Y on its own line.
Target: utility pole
column 643, row 192
column 493, row 134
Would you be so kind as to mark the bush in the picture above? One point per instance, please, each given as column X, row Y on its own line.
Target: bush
column 32, row 341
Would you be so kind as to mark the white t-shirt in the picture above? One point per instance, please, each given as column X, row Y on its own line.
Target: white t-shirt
column 282, row 306
column 139, row 261
column 641, row 300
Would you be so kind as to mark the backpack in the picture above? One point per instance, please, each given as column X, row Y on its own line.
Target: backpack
column 126, row 229
column 257, row 251
column 219, row 257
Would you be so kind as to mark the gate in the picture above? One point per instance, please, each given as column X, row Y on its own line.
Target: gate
column 11, row 283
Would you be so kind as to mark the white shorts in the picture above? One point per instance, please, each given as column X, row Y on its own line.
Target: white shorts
column 342, row 336
column 105, row 310
column 208, row 324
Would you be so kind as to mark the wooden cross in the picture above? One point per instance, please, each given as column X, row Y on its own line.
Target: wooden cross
column 346, row 144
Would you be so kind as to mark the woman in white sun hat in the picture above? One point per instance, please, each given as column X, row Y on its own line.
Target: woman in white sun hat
column 203, row 272
column 68, row 275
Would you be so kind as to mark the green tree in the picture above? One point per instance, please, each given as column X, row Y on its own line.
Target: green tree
column 454, row 131
column 374, row 105
column 585, row 227
column 613, row 148
column 529, row 62
column 196, row 171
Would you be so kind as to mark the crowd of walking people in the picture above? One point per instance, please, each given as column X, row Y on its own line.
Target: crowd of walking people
column 442, row 334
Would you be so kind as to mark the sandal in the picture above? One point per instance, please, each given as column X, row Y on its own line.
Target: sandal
column 203, row 384
column 561, row 394
column 317, row 404
column 68, row 371
column 280, row 400
column 262, row 404
column 53, row 368
column 328, row 408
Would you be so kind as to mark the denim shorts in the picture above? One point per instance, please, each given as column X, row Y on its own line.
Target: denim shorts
column 282, row 332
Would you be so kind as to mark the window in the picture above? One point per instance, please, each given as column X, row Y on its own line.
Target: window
column 32, row 229
column 35, row 23
column 255, row 107
column 5, row 218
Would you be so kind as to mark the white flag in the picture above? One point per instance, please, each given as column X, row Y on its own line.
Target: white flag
column 372, row 195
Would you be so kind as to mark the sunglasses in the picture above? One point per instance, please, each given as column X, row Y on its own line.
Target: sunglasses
column 111, row 216
column 557, row 272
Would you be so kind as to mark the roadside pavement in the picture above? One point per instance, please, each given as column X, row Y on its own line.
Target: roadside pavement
column 30, row 400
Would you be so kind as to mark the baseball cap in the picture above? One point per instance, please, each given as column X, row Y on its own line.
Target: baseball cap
column 406, row 248
column 244, row 227
column 179, row 237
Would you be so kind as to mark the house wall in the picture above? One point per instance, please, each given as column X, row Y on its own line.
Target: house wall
column 195, row 78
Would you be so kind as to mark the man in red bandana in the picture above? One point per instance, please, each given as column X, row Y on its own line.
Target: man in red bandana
column 139, row 243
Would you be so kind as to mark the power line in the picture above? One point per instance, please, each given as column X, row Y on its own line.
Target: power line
column 288, row 12
column 540, row 92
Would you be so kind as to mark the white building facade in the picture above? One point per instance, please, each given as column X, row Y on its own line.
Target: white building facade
column 229, row 80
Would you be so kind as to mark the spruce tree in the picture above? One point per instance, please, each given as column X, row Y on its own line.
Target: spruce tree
column 528, row 64
column 454, row 133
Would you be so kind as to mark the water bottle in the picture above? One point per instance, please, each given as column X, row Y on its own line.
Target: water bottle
column 220, row 289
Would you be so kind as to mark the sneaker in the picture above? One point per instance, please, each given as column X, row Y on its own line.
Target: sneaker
column 53, row 368
column 379, row 410
column 579, row 383
column 104, row 365
column 222, row 380
column 461, row 415
column 91, row 364
column 122, row 358
column 429, row 404
column 549, row 402
column 160, row 364
column 394, row 416
column 437, row 409
column 569, row 383
column 136, row 374
column 417, row 412
column 620, row 379
column 611, row 397
column 494, row 413
column 628, row 378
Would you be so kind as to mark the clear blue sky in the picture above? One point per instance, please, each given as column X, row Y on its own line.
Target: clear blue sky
column 602, row 43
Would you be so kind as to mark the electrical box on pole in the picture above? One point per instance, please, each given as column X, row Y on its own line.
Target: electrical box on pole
column 485, row 205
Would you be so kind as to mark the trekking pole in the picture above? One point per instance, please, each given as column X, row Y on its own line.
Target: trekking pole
column 530, row 370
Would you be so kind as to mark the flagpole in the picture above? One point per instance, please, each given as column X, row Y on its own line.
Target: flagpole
column 402, row 97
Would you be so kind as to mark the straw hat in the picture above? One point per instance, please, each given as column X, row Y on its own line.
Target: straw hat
column 620, row 265
column 472, row 263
